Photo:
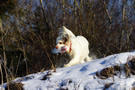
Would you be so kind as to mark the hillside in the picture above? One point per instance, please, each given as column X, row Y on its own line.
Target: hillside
column 115, row 72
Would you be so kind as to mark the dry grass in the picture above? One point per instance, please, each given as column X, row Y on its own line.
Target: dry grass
column 14, row 86
column 105, row 73
column 129, row 69
column 108, row 72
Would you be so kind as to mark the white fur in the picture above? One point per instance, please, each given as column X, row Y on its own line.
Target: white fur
column 79, row 47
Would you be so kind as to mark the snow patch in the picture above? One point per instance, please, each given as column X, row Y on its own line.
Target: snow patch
column 82, row 76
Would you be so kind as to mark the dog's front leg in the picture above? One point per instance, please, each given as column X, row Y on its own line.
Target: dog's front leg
column 74, row 61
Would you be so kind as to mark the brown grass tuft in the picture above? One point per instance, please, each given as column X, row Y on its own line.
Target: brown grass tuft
column 14, row 86
column 105, row 73
column 129, row 69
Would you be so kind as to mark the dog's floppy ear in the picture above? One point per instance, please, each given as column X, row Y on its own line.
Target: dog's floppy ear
column 65, row 38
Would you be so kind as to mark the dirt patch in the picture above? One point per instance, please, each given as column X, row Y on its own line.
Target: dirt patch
column 14, row 86
column 108, row 72
column 107, row 85
column 129, row 68
column 105, row 73
column 46, row 76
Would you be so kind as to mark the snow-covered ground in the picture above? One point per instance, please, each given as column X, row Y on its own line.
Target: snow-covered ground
column 82, row 76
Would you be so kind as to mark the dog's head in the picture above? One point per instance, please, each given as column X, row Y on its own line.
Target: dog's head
column 62, row 44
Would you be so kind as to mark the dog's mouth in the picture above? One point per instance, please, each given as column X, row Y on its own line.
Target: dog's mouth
column 63, row 49
column 60, row 50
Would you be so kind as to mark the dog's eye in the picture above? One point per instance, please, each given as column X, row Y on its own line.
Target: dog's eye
column 60, row 43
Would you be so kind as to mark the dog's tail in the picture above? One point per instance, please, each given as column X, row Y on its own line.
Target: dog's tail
column 64, row 30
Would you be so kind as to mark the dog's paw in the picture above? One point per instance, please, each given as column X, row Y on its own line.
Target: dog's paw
column 66, row 65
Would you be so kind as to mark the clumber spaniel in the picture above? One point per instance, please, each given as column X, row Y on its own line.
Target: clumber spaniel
column 76, row 46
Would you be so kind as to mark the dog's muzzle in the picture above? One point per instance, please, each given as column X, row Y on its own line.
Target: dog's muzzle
column 60, row 50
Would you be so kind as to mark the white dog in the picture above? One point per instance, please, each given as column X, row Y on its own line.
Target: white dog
column 76, row 47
